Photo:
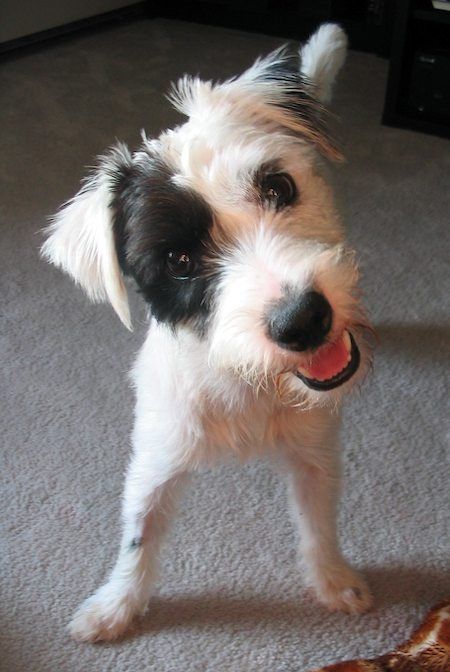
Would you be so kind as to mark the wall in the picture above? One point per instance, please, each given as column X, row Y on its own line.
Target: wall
column 19, row 18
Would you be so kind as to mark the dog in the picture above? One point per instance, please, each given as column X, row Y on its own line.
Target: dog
column 227, row 226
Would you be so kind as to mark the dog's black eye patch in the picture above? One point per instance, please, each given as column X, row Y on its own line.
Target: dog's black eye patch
column 162, row 233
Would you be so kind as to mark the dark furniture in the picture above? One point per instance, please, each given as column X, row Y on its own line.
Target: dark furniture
column 418, row 90
column 368, row 23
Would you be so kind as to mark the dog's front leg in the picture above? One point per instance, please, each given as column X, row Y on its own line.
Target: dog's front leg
column 152, row 484
column 314, row 488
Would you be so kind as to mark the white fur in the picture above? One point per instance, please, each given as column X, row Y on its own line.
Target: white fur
column 81, row 242
column 322, row 57
column 234, row 391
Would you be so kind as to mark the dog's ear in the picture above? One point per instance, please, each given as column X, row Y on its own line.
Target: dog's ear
column 81, row 236
column 322, row 57
column 290, row 89
column 311, row 73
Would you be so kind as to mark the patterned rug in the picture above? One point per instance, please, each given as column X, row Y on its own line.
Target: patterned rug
column 428, row 649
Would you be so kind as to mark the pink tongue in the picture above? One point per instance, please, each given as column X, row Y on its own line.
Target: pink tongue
column 328, row 361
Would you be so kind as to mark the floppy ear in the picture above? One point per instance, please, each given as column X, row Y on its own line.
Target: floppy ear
column 81, row 237
column 322, row 57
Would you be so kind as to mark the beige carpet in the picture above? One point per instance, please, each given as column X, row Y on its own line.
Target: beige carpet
column 231, row 598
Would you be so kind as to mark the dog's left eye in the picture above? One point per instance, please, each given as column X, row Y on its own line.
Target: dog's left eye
column 180, row 264
column 278, row 190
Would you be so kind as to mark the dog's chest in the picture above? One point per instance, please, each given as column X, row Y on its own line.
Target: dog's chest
column 261, row 425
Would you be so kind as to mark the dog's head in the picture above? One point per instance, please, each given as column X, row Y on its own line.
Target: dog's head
column 229, row 229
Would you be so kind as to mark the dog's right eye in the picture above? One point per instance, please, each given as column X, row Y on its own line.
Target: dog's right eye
column 278, row 190
column 180, row 264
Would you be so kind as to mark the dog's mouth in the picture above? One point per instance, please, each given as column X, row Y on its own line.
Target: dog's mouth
column 331, row 365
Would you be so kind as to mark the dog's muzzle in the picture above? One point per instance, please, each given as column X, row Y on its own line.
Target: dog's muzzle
column 302, row 324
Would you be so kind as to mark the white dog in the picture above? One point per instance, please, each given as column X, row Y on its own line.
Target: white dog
column 228, row 228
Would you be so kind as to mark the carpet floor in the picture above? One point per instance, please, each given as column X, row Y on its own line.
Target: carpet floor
column 231, row 596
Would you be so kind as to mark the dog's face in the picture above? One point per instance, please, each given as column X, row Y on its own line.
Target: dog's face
column 229, row 230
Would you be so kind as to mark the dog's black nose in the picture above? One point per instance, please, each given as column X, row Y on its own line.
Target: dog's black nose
column 300, row 323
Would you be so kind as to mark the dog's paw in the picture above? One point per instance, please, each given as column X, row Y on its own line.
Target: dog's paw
column 103, row 617
column 341, row 588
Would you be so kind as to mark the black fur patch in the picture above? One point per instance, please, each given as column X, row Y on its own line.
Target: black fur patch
column 153, row 217
column 135, row 543
column 294, row 92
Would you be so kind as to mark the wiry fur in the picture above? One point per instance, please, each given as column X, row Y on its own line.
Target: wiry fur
column 209, row 379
